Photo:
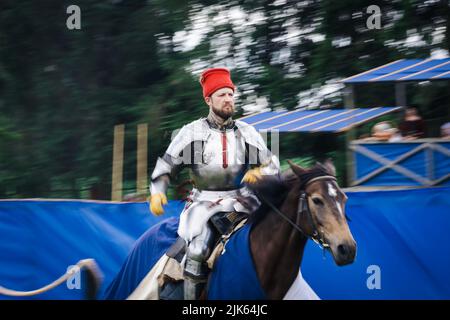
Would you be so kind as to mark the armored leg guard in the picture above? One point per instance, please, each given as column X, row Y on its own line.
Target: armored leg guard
column 196, row 270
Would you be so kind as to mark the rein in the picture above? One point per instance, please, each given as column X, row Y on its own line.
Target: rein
column 89, row 264
column 302, row 210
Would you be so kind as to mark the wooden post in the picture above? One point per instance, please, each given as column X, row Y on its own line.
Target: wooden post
column 117, row 168
column 349, row 103
column 400, row 94
column 141, row 174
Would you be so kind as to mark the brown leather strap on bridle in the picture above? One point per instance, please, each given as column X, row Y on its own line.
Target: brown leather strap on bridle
column 303, row 208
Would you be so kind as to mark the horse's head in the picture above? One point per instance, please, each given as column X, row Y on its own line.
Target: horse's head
column 323, row 215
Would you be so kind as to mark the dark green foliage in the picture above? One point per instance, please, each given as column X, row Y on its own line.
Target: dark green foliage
column 62, row 91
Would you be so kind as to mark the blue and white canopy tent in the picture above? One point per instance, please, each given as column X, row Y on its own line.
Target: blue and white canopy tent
column 421, row 163
column 401, row 72
column 405, row 70
column 332, row 121
column 310, row 121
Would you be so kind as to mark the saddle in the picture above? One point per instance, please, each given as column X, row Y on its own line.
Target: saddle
column 165, row 280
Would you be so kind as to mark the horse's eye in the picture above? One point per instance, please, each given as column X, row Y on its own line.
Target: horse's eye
column 317, row 202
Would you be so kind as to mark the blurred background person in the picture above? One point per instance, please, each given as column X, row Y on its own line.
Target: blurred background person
column 385, row 131
column 445, row 130
column 412, row 126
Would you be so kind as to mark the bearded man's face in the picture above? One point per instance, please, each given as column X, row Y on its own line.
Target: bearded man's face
column 222, row 102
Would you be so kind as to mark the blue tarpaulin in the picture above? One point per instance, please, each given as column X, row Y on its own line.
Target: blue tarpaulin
column 40, row 239
column 146, row 252
column 400, row 234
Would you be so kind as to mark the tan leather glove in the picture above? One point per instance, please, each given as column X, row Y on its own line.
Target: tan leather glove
column 252, row 176
column 156, row 203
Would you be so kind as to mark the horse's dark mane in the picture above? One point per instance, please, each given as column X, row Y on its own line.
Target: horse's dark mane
column 275, row 189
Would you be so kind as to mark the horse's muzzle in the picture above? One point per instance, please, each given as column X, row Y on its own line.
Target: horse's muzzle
column 345, row 253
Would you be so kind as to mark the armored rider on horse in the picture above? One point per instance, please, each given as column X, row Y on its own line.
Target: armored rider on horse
column 222, row 155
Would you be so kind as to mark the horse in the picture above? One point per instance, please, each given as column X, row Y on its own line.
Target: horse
column 312, row 206
column 298, row 205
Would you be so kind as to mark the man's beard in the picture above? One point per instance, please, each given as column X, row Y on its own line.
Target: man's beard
column 223, row 113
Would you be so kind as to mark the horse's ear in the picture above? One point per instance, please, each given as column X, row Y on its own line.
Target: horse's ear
column 296, row 168
column 329, row 166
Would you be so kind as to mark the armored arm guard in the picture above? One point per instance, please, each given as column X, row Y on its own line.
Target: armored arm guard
column 161, row 176
column 179, row 154
column 170, row 163
column 268, row 162
column 271, row 166
column 259, row 154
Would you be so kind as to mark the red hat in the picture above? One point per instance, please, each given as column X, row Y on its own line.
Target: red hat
column 215, row 79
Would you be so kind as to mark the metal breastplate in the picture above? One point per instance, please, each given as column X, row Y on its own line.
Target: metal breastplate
column 223, row 161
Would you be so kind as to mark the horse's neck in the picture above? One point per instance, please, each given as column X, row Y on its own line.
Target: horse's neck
column 277, row 248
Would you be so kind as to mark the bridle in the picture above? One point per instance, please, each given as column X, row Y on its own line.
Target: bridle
column 303, row 209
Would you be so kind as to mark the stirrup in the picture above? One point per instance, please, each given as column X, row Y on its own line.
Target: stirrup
column 193, row 288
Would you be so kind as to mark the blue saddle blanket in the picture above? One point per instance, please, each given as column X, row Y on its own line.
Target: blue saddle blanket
column 149, row 248
column 233, row 276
